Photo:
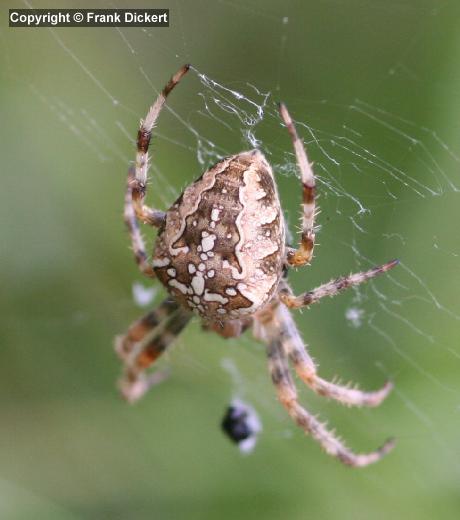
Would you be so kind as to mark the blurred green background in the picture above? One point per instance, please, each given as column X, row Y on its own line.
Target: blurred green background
column 374, row 87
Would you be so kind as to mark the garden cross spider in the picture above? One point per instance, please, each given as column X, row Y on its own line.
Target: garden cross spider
column 221, row 254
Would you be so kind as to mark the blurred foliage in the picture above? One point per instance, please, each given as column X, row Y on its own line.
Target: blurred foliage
column 69, row 447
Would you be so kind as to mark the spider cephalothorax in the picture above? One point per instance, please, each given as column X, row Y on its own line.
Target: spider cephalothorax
column 221, row 254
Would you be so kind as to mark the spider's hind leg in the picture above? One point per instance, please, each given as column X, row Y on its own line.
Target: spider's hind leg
column 139, row 181
column 152, row 217
column 304, row 253
column 135, row 209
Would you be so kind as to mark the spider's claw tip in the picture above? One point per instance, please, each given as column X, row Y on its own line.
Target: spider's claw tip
column 178, row 75
column 382, row 394
column 388, row 445
column 131, row 392
column 388, row 386
column 392, row 263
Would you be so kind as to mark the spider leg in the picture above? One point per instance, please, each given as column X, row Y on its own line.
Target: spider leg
column 331, row 288
column 139, row 182
column 304, row 253
column 132, row 224
column 143, row 344
column 282, row 328
column 139, row 329
column 287, row 395
column 135, row 209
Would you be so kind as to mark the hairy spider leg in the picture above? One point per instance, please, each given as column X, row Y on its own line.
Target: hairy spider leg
column 136, row 188
column 138, row 184
column 137, row 241
column 331, row 288
column 287, row 394
column 139, row 329
column 143, row 354
column 282, row 328
column 304, row 253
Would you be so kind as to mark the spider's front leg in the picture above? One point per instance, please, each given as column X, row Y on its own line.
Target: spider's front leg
column 331, row 288
column 304, row 253
column 144, row 342
column 281, row 327
column 287, row 395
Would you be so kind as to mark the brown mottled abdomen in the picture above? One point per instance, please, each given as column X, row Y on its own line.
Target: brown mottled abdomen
column 221, row 250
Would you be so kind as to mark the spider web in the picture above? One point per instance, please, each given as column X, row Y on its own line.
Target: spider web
column 375, row 163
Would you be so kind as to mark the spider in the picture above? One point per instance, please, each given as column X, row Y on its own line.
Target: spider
column 221, row 254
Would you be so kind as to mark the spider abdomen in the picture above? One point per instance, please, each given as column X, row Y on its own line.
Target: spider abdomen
column 221, row 250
